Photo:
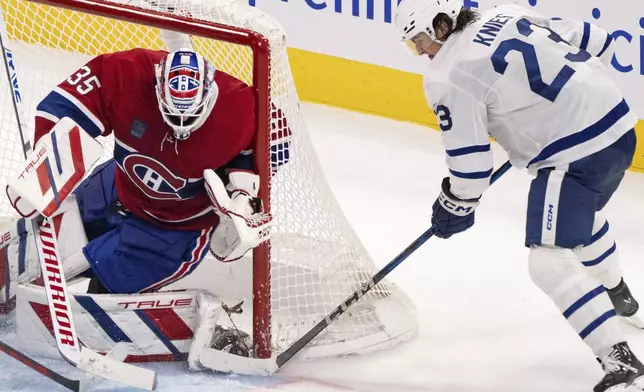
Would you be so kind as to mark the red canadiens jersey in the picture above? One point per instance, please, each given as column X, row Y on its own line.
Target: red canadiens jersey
column 158, row 179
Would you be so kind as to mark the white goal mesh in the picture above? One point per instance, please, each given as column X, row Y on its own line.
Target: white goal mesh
column 315, row 258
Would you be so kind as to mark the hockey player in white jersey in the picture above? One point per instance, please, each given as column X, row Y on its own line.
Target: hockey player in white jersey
column 539, row 87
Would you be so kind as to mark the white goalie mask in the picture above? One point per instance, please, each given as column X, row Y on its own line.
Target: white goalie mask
column 186, row 91
column 417, row 16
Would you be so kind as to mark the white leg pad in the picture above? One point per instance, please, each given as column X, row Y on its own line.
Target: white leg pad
column 208, row 310
column 19, row 257
column 71, row 239
column 21, row 263
column 582, row 300
column 203, row 356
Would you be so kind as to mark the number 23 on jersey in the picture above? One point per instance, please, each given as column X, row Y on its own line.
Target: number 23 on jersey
column 529, row 54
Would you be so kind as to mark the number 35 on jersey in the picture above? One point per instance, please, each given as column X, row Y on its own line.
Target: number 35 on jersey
column 84, row 80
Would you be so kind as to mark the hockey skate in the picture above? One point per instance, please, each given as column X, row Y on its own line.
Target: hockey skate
column 625, row 304
column 624, row 372
column 232, row 341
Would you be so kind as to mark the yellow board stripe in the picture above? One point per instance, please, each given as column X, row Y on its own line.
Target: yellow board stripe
column 360, row 86
column 376, row 90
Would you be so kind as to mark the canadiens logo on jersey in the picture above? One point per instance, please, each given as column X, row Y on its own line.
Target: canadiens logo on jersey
column 153, row 178
column 183, row 80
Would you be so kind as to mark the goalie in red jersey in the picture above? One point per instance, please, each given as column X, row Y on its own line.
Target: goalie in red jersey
column 181, row 180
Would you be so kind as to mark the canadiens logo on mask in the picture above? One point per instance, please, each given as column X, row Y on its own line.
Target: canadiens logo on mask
column 184, row 86
column 186, row 91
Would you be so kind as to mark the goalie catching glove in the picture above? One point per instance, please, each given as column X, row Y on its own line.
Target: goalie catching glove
column 451, row 215
column 242, row 224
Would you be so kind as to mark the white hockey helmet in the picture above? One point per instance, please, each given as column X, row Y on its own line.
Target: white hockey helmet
column 186, row 91
column 417, row 16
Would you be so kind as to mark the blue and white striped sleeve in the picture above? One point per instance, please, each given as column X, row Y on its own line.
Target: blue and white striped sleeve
column 463, row 123
column 82, row 97
column 586, row 36
column 60, row 103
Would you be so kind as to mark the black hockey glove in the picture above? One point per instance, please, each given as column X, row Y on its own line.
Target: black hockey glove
column 451, row 215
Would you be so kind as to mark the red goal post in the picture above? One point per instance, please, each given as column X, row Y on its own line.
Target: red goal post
column 261, row 54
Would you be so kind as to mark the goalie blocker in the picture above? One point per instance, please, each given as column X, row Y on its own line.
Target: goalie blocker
column 58, row 162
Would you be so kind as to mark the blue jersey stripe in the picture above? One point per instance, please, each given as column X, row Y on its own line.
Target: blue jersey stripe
column 585, row 37
column 279, row 154
column 583, row 301
column 599, row 234
column 601, row 258
column 595, row 324
column 457, row 152
column 471, row 175
column 102, row 318
column 120, row 153
column 242, row 161
column 59, row 106
column 601, row 126
column 609, row 40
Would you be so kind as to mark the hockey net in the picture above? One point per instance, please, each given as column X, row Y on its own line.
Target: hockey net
column 314, row 260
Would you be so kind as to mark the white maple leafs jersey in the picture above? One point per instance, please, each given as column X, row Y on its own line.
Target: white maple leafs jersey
column 536, row 85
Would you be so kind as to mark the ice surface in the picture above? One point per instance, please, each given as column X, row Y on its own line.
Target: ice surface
column 483, row 325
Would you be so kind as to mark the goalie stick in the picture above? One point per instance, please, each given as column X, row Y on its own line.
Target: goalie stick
column 72, row 385
column 12, row 78
column 82, row 385
column 60, row 310
column 259, row 366
column 58, row 300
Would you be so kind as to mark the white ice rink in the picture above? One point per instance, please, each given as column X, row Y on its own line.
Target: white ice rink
column 484, row 326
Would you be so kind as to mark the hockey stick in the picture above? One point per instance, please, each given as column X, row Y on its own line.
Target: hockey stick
column 321, row 326
column 58, row 300
column 72, row 385
column 12, row 79
column 225, row 362
column 119, row 352
column 60, row 310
